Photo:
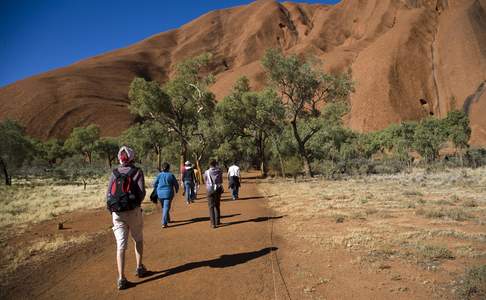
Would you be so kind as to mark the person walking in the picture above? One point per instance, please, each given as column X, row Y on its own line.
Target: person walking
column 214, row 184
column 166, row 184
column 126, row 191
column 198, row 182
column 234, row 180
column 189, row 181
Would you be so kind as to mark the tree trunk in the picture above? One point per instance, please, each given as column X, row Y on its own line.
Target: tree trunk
column 88, row 156
column 302, row 150
column 183, row 155
column 282, row 168
column 109, row 161
column 261, row 154
column 159, row 158
column 8, row 179
column 200, row 176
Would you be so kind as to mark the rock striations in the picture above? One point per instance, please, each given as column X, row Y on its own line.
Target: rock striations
column 409, row 59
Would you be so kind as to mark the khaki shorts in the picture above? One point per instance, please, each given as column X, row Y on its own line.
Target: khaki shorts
column 127, row 221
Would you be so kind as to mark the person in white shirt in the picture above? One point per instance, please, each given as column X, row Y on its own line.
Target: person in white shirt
column 234, row 180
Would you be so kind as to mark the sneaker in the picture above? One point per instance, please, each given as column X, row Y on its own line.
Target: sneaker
column 164, row 226
column 122, row 284
column 141, row 271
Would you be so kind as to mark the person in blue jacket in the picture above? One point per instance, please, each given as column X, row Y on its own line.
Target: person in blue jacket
column 167, row 186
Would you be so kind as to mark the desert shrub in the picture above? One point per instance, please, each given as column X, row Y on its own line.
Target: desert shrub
column 474, row 283
column 455, row 214
column 429, row 137
column 475, row 158
column 327, row 169
column 356, row 167
column 470, row 203
column 433, row 253
column 389, row 166
column 293, row 166
column 412, row 193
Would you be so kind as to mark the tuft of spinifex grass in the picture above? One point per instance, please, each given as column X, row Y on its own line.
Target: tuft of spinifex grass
column 474, row 283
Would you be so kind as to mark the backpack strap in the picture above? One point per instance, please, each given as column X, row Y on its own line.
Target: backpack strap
column 116, row 173
column 133, row 171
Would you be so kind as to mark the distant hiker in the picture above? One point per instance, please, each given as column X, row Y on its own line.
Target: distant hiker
column 198, row 182
column 189, row 181
column 166, row 184
column 234, row 181
column 126, row 191
column 214, row 183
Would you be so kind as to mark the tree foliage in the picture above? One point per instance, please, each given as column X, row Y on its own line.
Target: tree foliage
column 430, row 135
column 180, row 103
column 304, row 89
column 15, row 148
column 83, row 140
column 107, row 149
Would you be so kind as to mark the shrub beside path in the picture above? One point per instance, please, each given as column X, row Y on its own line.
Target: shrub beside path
column 189, row 259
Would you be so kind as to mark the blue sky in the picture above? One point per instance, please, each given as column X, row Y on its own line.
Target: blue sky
column 40, row 35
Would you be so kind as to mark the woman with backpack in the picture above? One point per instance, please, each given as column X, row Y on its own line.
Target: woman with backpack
column 126, row 191
column 167, row 186
column 214, row 184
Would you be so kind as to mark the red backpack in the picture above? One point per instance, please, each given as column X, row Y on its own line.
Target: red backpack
column 125, row 194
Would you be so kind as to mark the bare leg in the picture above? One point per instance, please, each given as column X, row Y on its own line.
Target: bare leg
column 139, row 252
column 120, row 259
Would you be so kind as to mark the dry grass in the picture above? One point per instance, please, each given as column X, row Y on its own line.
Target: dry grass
column 39, row 250
column 36, row 200
column 423, row 218
column 39, row 200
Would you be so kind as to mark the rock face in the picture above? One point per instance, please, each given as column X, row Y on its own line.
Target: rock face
column 409, row 58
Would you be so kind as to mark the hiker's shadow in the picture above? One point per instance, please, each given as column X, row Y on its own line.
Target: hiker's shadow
column 259, row 219
column 241, row 198
column 196, row 220
column 223, row 261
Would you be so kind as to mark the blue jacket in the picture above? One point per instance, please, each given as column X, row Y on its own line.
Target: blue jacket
column 165, row 183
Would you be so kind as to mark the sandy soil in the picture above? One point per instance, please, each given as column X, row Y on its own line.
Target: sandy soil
column 189, row 260
column 297, row 250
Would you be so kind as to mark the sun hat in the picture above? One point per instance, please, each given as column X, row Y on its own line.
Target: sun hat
column 126, row 155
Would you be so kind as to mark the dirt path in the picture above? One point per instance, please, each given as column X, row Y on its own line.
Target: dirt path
column 189, row 259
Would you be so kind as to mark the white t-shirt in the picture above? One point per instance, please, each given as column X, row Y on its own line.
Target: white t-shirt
column 234, row 170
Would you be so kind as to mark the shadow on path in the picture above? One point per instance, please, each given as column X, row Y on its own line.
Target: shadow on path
column 241, row 198
column 259, row 219
column 196, row 220
column 223, row 261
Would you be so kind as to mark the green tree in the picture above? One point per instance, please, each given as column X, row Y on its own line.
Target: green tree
column 148, row 138
column 398, row 139
column 52, row 150
column 305, row 89
column 255, row 115
column 326, row 143
column 107, row 149
column 458, row 131
column 83, row 140
column 429, row 137
column 15, row 148
column 180, row 103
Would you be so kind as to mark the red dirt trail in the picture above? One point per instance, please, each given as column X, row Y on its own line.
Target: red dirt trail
column 189, row 260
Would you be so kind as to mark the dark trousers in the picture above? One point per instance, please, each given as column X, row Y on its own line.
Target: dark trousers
column 213, row 202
